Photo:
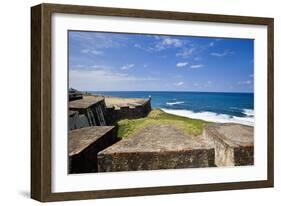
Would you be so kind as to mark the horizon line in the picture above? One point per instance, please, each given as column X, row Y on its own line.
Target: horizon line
column 163, row 91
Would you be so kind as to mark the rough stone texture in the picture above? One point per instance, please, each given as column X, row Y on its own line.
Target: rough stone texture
column 85, row 143
column 76, row 121
column 85, row 102
column 118, row 102
column 101, row 111
column 92, row 107
column 234, row 144
column 74, row 94
column 133, row 109
column 156, row 147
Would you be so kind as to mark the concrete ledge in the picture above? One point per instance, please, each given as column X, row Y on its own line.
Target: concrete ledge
column 84, row 145
column 234, row 144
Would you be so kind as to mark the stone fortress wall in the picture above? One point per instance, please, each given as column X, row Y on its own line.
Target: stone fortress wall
column 95, row 147
column 91, row 125
column 115, row 114
column 94, row 111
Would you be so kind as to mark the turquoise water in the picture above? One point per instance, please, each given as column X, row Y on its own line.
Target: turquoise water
column 209, row 106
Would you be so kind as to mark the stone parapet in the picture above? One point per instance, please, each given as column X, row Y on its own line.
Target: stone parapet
column 84, row 145
column 156, row 147
column 233, row 143
column 133, row 161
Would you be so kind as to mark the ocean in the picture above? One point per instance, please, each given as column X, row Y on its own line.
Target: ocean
column 209, row 106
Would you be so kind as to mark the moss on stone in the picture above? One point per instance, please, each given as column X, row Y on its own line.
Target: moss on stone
column 189, row 126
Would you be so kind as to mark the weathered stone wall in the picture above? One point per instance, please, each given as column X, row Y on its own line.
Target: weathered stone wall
column 86, row 160
column 99, row 115
column 155, row 160
column 233, row 144
column 94, row 115
column 126, row 112
column 76, row 120
column 244, row 156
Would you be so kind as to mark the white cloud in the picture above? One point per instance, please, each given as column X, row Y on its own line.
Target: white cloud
column 96, row 52
column 89, row 67
column 167, row 42
column 138, row 46
column 186, row 52
column 196, row 66
column 127, row 66
column 97, row 40
column 85, row 51
column 179, row 84
column 221, row 54
column 197, row 58
column 182, row 64
column 246, row 82
column 196, row 84
column 99, row 67
column 97, row 80
column 78, row 66
column 91, row 51
column 172, row 41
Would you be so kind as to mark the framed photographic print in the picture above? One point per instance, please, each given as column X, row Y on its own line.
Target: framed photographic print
column 130, row 102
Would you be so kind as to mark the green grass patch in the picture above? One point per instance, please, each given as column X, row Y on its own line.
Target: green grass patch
column 190, row 126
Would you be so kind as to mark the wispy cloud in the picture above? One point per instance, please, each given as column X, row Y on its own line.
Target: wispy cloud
column 160, row 43
column 182, row 64
column 178, row 84
column 99, row 67
column 105, row 80
column 138, row 46
column 186, row 52
column 127, row 66
column 89, row 67
column 196, row 66
column 96, row 41
column 91, row 51
column 246, row 82
column 221, row 54
column 167, row 42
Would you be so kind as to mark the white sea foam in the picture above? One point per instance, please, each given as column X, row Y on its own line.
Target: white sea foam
column 212, row 117
column 174, row 103
column 248, row 112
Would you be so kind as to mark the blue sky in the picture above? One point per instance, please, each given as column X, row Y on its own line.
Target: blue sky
column 101, row 61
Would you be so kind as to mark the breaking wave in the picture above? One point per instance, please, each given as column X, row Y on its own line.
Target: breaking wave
column 213, row 117
column 174, row 103
column 249, row 112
